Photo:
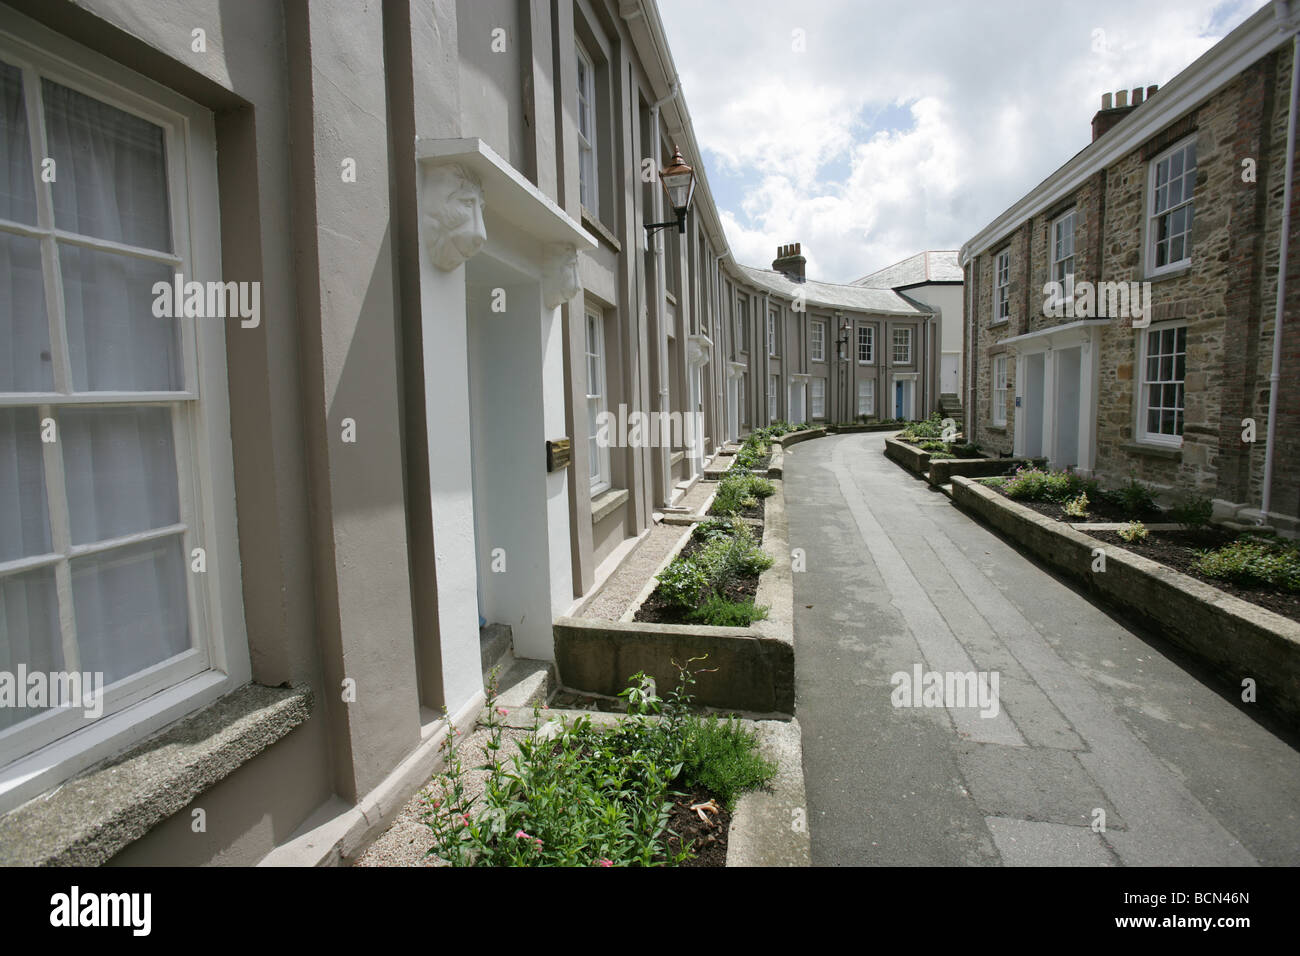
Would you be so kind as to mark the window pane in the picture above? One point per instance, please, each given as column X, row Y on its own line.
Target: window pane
column 1153, row 420
column 115, row 341
column 25, row 364
column 132, row 609
column 112, row 170
column 29, row 631
column 120, row 469
column 24, row 517
column 17, row 177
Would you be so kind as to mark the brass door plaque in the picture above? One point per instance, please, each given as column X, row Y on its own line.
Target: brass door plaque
column 559, row 454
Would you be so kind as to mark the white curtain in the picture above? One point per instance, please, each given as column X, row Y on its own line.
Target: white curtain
column 112, row 171
column 24, row 518
column 114, row 340
column 24, row 329
column 130, row 603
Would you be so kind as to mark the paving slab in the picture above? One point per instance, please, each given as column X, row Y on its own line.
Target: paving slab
column 1093, row 711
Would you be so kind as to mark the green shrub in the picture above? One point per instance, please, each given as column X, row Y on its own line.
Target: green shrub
column 1134, row 497
column 1035, row 484
column 932, row 427
column 740, row 490
column 996, row 482
column 1077, row 507
column 722, row 757
column 1254, row 563
column 1192, row 512
column 1133, row 532
column 718, row 611
column 682, row 582
column 724, row 558
column 579, row 795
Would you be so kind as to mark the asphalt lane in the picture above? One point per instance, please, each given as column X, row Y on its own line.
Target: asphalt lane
column 1103, row 746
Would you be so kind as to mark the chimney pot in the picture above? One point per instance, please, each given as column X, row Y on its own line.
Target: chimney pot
column 1106, row 101
column 1121, row 99
column 1151, row 90
column 1137, row 96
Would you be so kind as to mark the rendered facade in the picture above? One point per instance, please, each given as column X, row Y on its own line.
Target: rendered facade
column 281, row 514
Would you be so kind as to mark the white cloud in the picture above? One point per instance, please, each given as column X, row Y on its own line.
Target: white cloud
column 980, row 102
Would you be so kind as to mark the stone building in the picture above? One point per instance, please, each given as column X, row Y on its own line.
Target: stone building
column 274, row 514
column 1152, row 354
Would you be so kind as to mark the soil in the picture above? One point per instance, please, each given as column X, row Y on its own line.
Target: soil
column 708, row 838
column 1179, row 549
column 1099, row 511
column 656, row 610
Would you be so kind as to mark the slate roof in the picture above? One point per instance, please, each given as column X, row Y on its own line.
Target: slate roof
column 832, row 295
column 935, row 265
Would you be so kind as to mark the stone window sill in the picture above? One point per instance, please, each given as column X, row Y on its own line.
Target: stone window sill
column 91, row 817
column 1171, row 274
column 599, row 228
column 1166, row 452
column 606, row 503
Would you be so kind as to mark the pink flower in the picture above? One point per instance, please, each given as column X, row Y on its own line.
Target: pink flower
column 538, row 841
column 521, row 835
column 465, row 817
column 503, row 712
column 606, row 862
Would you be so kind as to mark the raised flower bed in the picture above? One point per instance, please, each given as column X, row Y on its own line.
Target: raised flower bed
column 1239, row 640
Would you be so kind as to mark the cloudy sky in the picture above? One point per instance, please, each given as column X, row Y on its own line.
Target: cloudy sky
column 905, row 125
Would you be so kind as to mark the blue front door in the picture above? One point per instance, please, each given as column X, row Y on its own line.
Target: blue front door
column 898, row 399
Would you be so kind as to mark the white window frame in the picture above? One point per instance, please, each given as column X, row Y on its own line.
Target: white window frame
column 866, row 344
column 906, row 346
column 589, row 192
column 773, row 387
column 817, row 342
column 1153, row 218
column 870, row 397
column 1057, row 262
column 771, row 332
column 1002, row 287
column 817, row 399
column 1144, row 382
column 599, row 400
column 52, row 747
column 998, row 413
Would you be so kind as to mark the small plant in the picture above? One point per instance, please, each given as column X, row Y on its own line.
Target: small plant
column 723, row 757
column 998, row 481
column 1077, row 507
column 1133, row 532
column 719, row 611
column 1135, row 498
column 740, row 490
column 1192, row 512
column 682, row 582
column 1253, row 562
column 932, row 427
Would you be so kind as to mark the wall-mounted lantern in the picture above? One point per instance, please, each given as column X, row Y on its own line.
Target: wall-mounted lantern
column 678, row 180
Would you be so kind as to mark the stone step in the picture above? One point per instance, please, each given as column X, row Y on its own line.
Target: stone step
column 496, row 648
column 526, row 683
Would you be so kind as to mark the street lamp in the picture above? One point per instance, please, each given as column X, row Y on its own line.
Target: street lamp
column 679, row 184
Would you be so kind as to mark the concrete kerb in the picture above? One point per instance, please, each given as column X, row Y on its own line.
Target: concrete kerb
column 1236, row 639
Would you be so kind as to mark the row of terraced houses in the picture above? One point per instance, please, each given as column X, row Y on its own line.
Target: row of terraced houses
column 1176, row 203
column 276, row 522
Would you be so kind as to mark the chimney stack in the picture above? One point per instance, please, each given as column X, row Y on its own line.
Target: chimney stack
column 1113, row 109
column 790, row 262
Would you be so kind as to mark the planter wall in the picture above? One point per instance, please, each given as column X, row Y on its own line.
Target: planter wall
column 909, row 456
column 1238, row 640
column 942, row 470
